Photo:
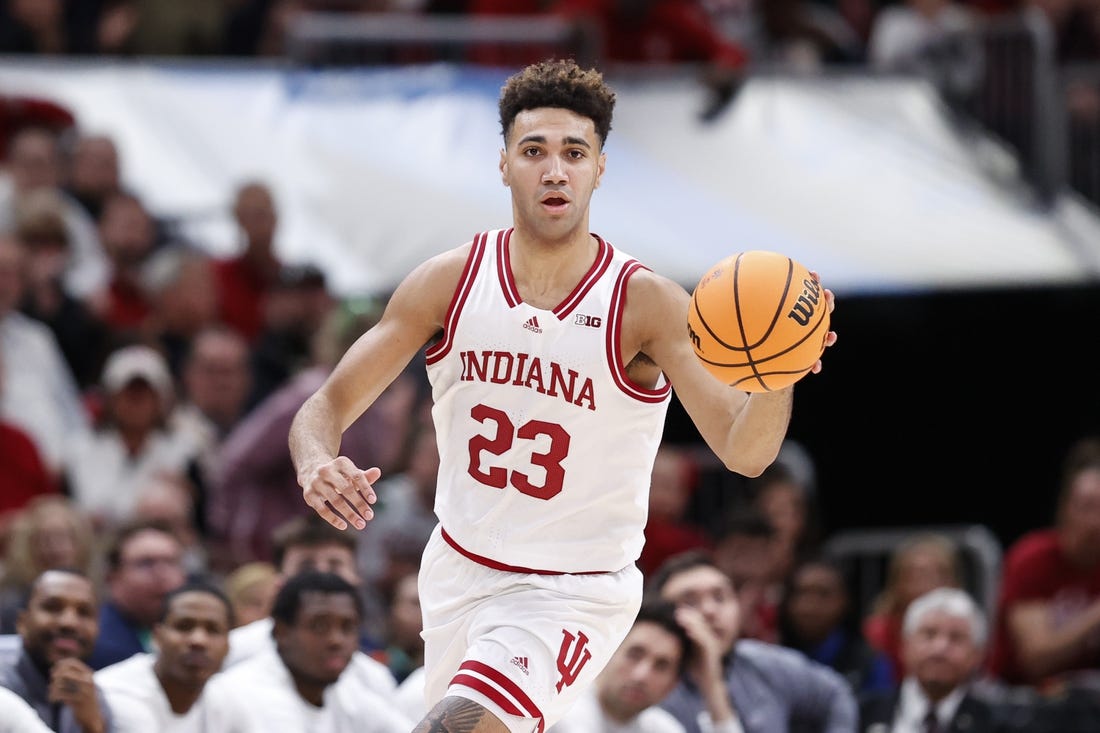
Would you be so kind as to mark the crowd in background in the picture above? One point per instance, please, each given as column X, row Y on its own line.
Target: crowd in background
column 147, row 386
column 731, row 32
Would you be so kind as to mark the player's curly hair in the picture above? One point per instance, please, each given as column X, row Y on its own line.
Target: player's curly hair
column 558, row 83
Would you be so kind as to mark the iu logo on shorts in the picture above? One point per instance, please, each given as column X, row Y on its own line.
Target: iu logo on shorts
column 572, row 657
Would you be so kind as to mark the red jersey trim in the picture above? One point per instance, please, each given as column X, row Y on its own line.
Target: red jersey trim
column 462, row 292
column 570, row 302
column 489, row 563
column 504, row 269
column 614, row 333
column 599, row 267
column 496, row 685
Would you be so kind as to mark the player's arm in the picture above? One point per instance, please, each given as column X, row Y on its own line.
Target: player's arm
column 414, row 314
column 744, row 430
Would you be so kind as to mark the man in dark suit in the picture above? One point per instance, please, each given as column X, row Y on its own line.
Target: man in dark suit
column 943, row 642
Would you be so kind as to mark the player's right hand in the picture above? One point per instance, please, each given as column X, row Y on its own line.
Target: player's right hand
column 341, row 492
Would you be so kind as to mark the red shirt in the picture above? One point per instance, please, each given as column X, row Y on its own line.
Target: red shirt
column 23, row 476
column 241, row 292
column 1036, row 569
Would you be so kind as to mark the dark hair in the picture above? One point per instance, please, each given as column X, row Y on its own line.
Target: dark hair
column 679, row 563
column 850, row 621
column 663, row 613
column 198, row 586
column 307, row 531
column 126, row 532
column 561, row 84
column 289, row 598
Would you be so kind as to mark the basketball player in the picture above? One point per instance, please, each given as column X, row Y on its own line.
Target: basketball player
column 552, row 357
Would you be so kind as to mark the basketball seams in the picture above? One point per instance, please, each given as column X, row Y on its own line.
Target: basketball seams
column 797, row 324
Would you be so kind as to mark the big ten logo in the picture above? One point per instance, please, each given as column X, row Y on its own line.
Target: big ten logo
column 803, row 309
column 591, row 321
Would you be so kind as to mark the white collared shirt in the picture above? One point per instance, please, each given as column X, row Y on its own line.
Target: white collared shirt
column 139, row 705
column 261, row 689
column 251, row 639
column 587, row 716
column 913, row 707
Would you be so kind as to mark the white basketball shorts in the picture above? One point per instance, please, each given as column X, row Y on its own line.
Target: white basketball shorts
column 523, row 645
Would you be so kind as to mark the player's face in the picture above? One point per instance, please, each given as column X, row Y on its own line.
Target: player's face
column 642, row 672
column 193, row 639
column 552, row 162
column 319, row 645
column 61, row 618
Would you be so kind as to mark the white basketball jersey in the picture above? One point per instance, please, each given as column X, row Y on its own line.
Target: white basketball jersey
column 546, row 446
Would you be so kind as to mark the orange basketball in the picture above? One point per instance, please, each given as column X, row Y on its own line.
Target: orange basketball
column 758, row 321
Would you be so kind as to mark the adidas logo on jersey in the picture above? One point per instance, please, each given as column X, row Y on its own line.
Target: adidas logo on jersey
column 533, row 324
column 521, row 662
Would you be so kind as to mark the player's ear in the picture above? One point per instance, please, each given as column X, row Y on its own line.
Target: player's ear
column 600, row 167
column 503, row 167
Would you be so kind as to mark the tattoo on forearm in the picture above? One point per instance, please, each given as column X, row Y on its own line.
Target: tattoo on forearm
column 457, row 715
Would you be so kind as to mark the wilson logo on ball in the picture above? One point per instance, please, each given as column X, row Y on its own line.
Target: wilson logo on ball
column 803, row 309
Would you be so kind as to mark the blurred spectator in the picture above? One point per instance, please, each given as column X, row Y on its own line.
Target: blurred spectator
column 310, row 543
column 33, row 26
column 817, row 617
column 17, row 112
column 791, row 35
column 744, row 550
column 255, row 487
column 301, row 683
column 144, row 562
column 49, row 534
column 166, row 690
column 403, row 651
column 1048, row 613
column 83, row 337
column 178, row 286
column 216, row 379
column 922, row 563
column 640, row 674
column 37, row 391
column 244, row 280
column 34, row 163
column 128, row 234
column 668, row 531
column 932, row 38
column 105, row 470
column 251, row 589
column 172, row 28
column 170, row 500
column 944, row 637
column 58, row 630
column 295, row 308
column 23, row 474
column 730, row 680
column 791, row 510
column 404, row 518
column 94, row 173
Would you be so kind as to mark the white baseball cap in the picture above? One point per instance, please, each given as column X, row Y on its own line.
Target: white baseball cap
column 138, row 362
